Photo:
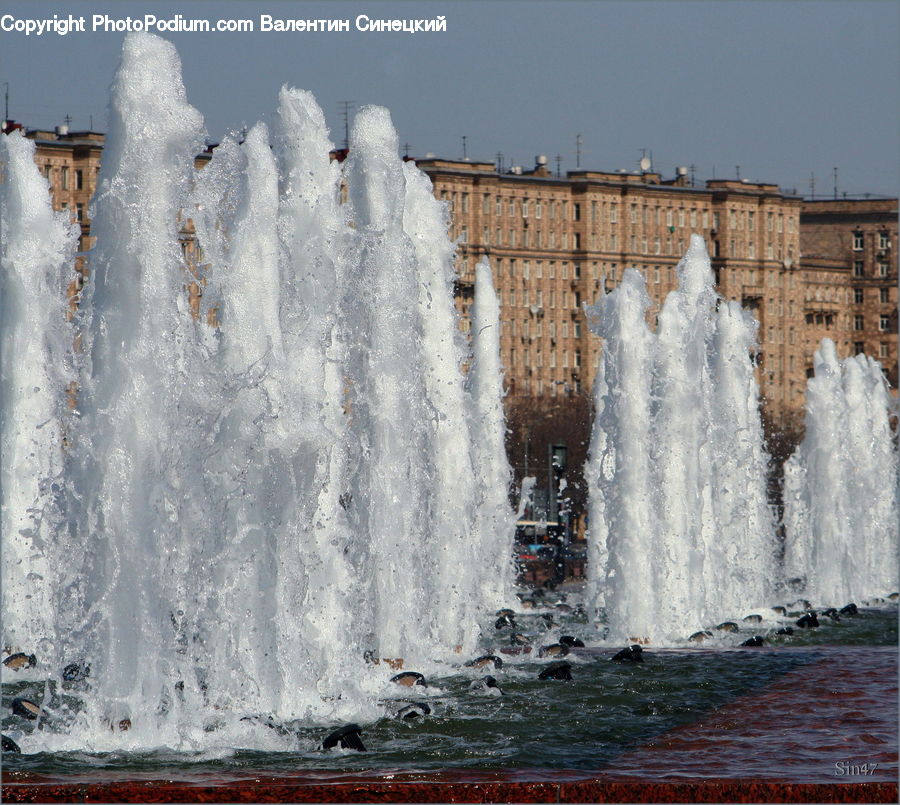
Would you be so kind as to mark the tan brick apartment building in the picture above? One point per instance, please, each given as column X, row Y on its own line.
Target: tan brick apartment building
column 551, row 241
column 850, row 260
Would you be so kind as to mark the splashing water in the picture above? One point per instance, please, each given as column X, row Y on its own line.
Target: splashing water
column 841, row 485
column 681, row 533
column 247, row 511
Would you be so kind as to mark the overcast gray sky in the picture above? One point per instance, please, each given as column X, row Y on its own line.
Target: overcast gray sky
column 782, row 89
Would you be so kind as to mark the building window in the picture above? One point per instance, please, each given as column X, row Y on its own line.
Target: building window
column 859, row 347
column 576, row 212
column 884, row 295
column 79, row 180
column 857, row 268
column 884, row 323
column 858, row 296
column 884, row 350
column 613, row 215
column 538, row 209
column 465, row 202
column 858, row 323
column 65, row 177
column 79, row 213
column 884, row 241
column 882, row 269
column 857, row 241
column 634, row 214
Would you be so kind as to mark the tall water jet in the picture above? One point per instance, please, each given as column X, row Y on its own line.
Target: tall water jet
column 681, row 455
column 389, row 486
column 679, row 523
column 139, row 520
column 36, row 251
column 315, row 241
column 494, row 518
column 841, row 508
column 452, row 490
column 624, row 485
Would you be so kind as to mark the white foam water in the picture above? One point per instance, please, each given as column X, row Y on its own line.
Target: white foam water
column 841, row 485
column 680, row 530
column 257, row 513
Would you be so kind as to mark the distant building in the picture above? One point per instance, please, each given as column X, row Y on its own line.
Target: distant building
column 850, row 259
column 807, row 269
column 552, row 240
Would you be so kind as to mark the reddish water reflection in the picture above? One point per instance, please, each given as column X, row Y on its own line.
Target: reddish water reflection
column 830, row 721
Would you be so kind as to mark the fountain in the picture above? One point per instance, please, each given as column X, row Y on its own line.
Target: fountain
column 247, row 527
column 252, row 510
column 841, row 490
column 681, row 532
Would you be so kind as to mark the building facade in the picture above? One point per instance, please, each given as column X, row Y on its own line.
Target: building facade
column 807, row 269
column 850, row 258
column 553, row 242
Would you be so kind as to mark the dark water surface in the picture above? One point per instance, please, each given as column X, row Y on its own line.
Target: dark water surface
column 795, row 709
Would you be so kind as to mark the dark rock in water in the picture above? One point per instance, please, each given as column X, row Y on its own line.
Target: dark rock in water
column 547, row 618
column 753, row 619
column 503, row 613
column 631, row 654
column 779, row 610
column 9, row 745
column 877, row 600
column 559, row 670
column 409, row 678
column 26, row 709
column 515, row 650
column 553, row 650
column 753, row 642
column 699, row 637
column 20, row 660
column 785, row 630
column 503, row 621
column 76, row 671
column 893, row 596
column 413, row 711
column 528, row 603
column 571, row 642
column 808, row 621
column 487, row 659
column 346, row 737
column 537, row 593
column 832, row 614
column 802, row 603
column 563, row 607
column 728, row 626
column 851, row 609
column 519, row 639
column 549, row 584
column 486, row 685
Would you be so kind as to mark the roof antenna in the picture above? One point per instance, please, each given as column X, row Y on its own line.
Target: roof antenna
column 578, row 151
column 465, row 152
column 346, row 106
